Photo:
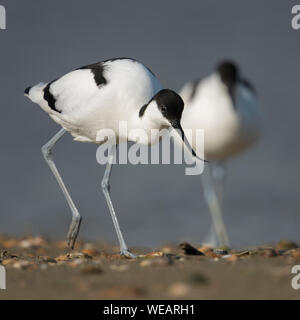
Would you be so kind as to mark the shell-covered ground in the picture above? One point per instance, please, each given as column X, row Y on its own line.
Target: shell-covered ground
column 37, row 268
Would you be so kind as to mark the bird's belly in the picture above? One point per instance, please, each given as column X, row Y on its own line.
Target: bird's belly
column 91, row 130
column 226, row 145
column 229, row 139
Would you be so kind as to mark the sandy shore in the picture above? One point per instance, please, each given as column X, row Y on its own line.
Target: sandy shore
column 41, row 269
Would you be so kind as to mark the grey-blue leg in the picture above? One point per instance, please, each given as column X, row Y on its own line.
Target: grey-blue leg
column 213, row 185
column 76, row 218
column 106, row 190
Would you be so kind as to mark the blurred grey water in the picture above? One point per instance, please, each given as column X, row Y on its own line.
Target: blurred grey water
column 179, row 41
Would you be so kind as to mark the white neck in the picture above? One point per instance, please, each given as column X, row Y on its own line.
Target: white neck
column 151, row 119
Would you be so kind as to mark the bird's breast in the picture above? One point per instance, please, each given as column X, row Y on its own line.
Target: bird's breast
column 228, row 130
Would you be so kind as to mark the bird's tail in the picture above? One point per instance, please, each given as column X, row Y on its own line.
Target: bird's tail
column 36, row 93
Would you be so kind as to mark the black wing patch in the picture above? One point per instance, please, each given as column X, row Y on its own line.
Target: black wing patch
column 97, row 69
column 48, row 96
column 142, row 110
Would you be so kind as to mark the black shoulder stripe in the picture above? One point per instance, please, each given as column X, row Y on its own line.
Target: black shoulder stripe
column 142, row 110
column 48, row 96
column 97, row 69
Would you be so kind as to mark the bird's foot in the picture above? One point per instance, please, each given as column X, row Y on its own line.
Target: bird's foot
column 127, row 254
column 74, row 231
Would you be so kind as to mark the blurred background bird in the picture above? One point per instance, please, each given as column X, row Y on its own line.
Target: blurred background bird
column 225, row 105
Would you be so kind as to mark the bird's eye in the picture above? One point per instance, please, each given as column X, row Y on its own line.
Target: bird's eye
column 163, row 109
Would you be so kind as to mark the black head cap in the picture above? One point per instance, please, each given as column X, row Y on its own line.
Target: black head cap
column 170, row 105
column 228, row 71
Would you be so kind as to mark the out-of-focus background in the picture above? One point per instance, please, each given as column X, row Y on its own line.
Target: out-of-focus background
column 179, row 41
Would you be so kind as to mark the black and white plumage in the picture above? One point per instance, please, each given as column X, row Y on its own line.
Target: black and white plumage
column 89, row 98
column 97, row 97
column 226, row 107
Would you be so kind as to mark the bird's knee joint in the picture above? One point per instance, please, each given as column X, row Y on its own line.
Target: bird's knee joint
column 105, row 185
column 77, row 218
column 46, row 152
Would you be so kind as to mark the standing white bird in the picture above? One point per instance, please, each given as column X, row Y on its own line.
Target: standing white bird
column 99, row 96
column 226, row 107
